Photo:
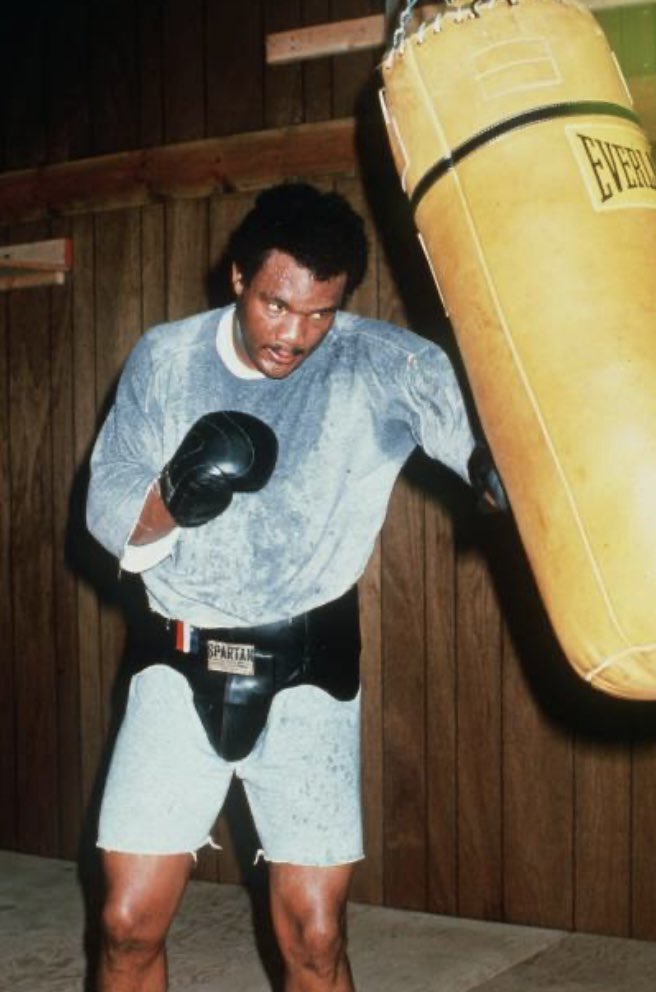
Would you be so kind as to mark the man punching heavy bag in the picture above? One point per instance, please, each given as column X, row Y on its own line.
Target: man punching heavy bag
column 534, row 193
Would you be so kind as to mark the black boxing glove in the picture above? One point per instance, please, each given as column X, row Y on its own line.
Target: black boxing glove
column 223, row 453
column 486, row 480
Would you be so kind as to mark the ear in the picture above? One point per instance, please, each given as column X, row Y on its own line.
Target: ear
column 237, row 280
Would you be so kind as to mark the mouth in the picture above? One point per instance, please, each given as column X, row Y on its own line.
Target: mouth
column 283, row 357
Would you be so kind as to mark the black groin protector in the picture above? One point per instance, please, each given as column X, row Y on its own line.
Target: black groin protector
column 321, row 648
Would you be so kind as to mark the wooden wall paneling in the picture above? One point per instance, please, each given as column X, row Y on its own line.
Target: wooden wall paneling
column 441, row 711
column 538, row 768
column 478, row 647
column 187, row 257
column 82, row 549
column 404, row 678
column 32, row 559
column 184, row 70
column 368, row 884
column 114, row 75
column 404, row 688
column 643, row 856
column 25, row 112
column 69, row 133
column 64, row 582
column 118, row 327
column 153, row 265
column 150, row 72
column 235, row 66
column 8, row 837
column 356, row 72
column 234, row 830
column 317, row 73
column 283, row 84
column 602, row 820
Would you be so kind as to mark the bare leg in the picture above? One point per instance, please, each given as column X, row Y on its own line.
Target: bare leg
column 143, row 893
column 308, row 906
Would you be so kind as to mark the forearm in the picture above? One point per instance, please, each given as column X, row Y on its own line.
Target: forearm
column 154, row 521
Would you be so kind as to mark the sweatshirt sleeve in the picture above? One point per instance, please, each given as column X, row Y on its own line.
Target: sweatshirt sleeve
column 439, row 419
column 127, row 455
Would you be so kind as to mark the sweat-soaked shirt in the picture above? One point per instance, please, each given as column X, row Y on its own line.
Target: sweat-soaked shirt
column 346, row 421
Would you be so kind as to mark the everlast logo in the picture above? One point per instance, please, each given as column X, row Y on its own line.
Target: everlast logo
column 616, row 165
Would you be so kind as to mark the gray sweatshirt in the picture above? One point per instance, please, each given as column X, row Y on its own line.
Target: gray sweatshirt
column 346, row 421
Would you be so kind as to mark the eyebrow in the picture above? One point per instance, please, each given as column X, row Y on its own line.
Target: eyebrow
column 304, row 313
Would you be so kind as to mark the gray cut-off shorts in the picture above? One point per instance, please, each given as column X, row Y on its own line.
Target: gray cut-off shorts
column 166, row 783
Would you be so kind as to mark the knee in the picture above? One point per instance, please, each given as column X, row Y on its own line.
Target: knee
column 130, row 931
column 313, row 944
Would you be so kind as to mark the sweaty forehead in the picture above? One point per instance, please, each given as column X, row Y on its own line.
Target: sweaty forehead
column 283, row 278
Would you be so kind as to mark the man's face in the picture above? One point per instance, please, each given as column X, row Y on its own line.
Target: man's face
column 284, row 314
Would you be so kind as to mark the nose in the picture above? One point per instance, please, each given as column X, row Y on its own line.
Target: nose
column 291, row 330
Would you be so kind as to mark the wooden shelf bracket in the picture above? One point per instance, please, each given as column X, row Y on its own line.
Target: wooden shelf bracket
column 38, row 263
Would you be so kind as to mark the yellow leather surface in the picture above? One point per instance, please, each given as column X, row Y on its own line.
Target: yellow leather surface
column 543, row 244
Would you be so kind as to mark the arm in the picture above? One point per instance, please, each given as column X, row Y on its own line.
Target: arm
column 486, row 480
column 438, row 416
column 127, row 455
column 441, row 427
column 155, row 521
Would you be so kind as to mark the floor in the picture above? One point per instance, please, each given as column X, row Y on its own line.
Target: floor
column 43, row 945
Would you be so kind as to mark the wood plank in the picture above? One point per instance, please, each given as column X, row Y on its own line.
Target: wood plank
column 87, row 559
column 153, row 265
column 602, row 816
column 38, row 256
column 118, row 327
column 318, row 73
column 478, row 647
column 283, row 84
column 32, row 559
column 441, row 704
column 404, row 674
column 40, row 263
column 368, row 884
column 68, row 89
column 27, row 280
column 355, row 76
column 24, row 112
column 538, row 762
column 114, row 75
column 195, row 169
column 151, row 73
column 187, row 258
column 643, row 813
column 8, row 757
column 64, row 582
column 235, row 67
column 183, row 58
column 318, row 40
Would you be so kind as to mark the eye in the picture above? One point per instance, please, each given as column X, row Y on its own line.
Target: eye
column 275, row 306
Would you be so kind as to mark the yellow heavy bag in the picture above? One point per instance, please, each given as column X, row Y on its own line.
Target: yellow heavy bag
column 535, row 198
